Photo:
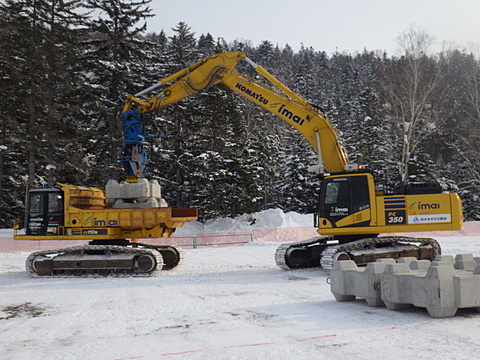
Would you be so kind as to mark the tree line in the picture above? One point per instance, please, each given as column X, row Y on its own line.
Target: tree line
column 66, row 67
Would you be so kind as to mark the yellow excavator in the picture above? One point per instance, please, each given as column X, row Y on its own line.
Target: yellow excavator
column 112, row 220
column 352, row 208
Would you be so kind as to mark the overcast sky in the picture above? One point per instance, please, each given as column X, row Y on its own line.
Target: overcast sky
column 333, row 25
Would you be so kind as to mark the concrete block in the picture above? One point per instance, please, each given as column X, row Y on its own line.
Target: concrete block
column 419, row 265
column 368, row 282
column 435, row 291
column 396, row 287
column 342, row 284
column 467, row 291
column 477, row 270
column 142, row 189
column 465, row 262
column 136, row 204
column 448, row 258
column 414, row 264
column 142, row 194
column 349, row 282
column 406, row 260
column 441, row 287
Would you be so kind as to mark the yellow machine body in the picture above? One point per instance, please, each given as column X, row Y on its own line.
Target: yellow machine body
column 86, row 216
column 381, row 213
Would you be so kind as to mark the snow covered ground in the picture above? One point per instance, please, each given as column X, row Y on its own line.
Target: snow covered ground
column 221, row 303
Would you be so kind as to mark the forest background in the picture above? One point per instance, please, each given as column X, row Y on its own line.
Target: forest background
column 66, row 66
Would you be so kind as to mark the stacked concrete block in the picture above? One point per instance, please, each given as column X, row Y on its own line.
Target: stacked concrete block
column 414, row 264
column 349, row 281
column 142, row 194
column 467, row 289
column 442, row 287
column 401, row 288
column 465, row 262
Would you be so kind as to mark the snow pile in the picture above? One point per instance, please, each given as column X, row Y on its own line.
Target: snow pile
column 6, row 233
column 267, row 219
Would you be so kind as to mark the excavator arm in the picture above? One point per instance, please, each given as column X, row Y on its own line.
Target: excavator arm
column 278, row 99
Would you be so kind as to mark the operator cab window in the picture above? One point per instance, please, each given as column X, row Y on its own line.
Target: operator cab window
column 337, row 192
column 55, row 203
column 36, row 203
column 360, row 195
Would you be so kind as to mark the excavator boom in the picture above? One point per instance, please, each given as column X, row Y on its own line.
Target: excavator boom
column 276, row 98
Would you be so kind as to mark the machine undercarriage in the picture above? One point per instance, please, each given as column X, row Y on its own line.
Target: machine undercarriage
column 323, row 251
column 125, row 258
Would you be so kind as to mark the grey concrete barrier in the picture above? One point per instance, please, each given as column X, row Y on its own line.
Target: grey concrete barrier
column 442, row 287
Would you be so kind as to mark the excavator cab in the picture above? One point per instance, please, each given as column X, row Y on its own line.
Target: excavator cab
column 344, row 201
column 45, row 214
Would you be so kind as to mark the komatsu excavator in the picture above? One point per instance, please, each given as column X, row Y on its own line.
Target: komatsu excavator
column 352, row 208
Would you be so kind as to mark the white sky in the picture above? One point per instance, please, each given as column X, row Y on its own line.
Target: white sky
column 343, row 25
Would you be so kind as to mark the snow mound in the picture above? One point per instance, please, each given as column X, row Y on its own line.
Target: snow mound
column 267, row 219
column 6, row 233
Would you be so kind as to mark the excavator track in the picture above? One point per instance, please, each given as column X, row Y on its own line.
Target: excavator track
column 172, row 255
column 301, row 254
column 319, row 252
column 370, row 249
column 136, row 259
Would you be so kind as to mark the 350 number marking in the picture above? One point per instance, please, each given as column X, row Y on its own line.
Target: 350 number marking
column 395, row 219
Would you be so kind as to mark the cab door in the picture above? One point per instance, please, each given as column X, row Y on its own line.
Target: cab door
column 344, row 201
column 45, row 212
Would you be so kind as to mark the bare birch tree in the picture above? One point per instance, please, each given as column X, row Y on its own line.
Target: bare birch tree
column 472, row 81
column 414, row 90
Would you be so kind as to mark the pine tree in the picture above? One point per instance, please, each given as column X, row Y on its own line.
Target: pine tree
column 367, row 137
column 264, row 54
column 176, row 151
column 40, row 54
column 13, row 70
column 206, row 45
column 297, row 186
column 113, row 54
column 228, row 182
